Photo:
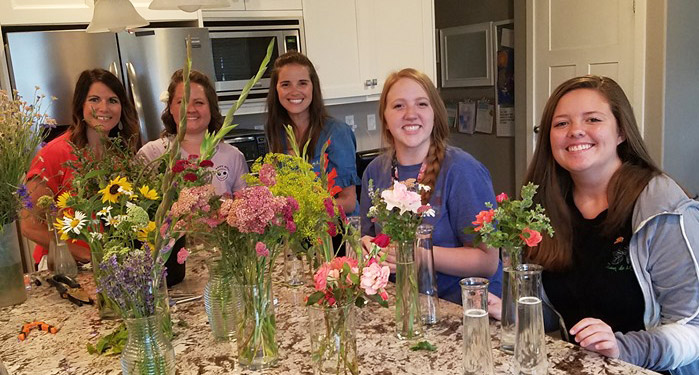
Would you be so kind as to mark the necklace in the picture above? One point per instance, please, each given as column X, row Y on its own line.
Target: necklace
column 394, row 169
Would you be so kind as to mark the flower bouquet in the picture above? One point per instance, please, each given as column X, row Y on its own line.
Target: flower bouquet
column 510, row 227
column 399, row 211
column 341, row 284
column 23, row 127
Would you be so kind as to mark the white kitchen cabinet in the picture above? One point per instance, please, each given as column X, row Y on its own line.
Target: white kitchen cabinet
column 251, row 5
column 355, row 44
column 55, row 12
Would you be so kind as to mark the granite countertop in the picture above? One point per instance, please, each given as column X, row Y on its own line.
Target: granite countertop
column 380, row 352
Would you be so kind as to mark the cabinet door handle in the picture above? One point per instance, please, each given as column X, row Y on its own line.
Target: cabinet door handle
column 374, row 82
column 367, row 83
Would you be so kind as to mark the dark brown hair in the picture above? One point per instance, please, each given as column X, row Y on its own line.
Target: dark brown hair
column 277, row 116
column 556, row 185
column 209, row 91
column 440, row 129
column 129, row 119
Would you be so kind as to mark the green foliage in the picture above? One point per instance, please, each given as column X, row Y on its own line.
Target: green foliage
column 110, row 344
column 424, row 345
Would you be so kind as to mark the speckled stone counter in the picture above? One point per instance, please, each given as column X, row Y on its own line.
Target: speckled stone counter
column 380, row 352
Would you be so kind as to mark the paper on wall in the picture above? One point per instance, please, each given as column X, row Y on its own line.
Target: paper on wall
column 467, row 117
column 505, row 121
column 484, row 117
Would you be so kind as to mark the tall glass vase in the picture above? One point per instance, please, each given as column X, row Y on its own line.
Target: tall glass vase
column 333, row 340
column 147, row 351
column 408, row 319
column 426, row 277
column 478, row 356
column 12, row 289
column 107, row 308
column 530, row 342
column 511, row 258
column 256, row 326
column 218, row 300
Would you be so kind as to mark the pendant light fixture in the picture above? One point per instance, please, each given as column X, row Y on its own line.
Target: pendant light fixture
column 114, row 16
column 188, row 5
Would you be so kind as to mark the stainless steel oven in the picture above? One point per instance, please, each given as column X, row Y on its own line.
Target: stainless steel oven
column 239, row 46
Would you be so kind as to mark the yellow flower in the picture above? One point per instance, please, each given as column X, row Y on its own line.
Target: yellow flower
column 62, row 200
column 114, row 189
column 148, row 193
column 142, row 234
column 59, row 226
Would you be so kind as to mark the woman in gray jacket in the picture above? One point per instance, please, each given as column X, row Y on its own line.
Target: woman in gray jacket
column 621, row 272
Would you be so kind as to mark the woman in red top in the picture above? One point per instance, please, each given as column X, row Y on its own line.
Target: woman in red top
column 100, row 107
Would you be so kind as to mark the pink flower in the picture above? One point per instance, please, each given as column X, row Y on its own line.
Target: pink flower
column 402, row 198
column 182, row 255
column 382, row 240
column 261, row 249
column 321, row 277
column 268, row 176
column 339, row 262
column 383, row 294
column 206, row 164
column 330, row 298
column 329, row 206
column 501, row 197
column 374, row 278
column 190, row 177
column 332, row 229
column 483, row 217
column 532, row 237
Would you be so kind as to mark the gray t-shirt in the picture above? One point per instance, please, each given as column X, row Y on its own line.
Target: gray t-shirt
column 229, row 163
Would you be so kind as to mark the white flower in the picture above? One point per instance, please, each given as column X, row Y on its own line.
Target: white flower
column 402, row 198
column 424, row 187
column 75, row 224
column 96, row 235
column 429, row 213
column 105, row 214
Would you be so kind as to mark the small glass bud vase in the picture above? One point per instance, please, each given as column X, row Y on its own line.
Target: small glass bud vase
column 294, row 272
column 511, row 258
column 333, row 339
column 426, row 277
column 219, row 302
column 60, row 260
column 478, row 356
column 353, row 247
column 148, row 351
column 408, row 318
column 530, row 341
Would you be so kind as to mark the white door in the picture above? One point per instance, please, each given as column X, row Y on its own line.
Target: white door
column 569, row 38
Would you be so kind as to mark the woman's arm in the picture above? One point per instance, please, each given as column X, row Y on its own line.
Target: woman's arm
column 347, row 198
column 466, row 261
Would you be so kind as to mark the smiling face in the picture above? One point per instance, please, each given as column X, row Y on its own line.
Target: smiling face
column 585, row 134
column 409, row 117
column 198, row 110
column 102, row 108
column 295, row 89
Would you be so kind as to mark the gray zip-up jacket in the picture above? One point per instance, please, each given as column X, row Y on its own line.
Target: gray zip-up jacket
column 664, row 250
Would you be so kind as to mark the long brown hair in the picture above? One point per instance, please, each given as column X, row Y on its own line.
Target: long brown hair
column 277, row 116
column 129, row 133
column 556, row 185
column 194, row 77
column 440, row 129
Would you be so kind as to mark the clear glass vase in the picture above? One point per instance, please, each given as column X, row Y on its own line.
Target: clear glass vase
column 107, row 308
column 256, row 326
column 219, row 301
column 60, row 261
column 294, row 272
column 426, row 277
column 408, row 319
column 147, row 351
column 530, row 341
column 12, row 289
column 478, row 356
column 333, row 340
column 511, row 258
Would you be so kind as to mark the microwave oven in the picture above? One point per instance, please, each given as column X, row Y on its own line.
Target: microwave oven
column 238, row 48
column 252, row 143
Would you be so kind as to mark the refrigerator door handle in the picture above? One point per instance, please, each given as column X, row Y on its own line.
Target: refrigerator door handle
column 114, row 69
column 138, row 103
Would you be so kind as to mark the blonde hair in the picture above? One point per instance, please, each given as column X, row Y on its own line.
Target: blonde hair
column 440, row 129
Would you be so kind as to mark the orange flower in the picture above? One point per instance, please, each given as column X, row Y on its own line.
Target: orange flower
column 533, row 237
column 483, row 217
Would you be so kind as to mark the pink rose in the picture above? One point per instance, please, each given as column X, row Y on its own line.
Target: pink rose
column 182, row 255
column 383, row 294
column 321, row 277
column 261, row 249
column 374, row 278
column 501, row 197
column 532, row 237
column 402, row 198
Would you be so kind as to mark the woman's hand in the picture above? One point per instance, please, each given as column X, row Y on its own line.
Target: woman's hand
column 494, row 306
column 390, row 252
column 597, row 336
column 366, row 245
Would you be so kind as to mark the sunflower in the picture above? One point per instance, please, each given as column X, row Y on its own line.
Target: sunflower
column 143, row 233
column 148, row 193
column 62, row 201
column 75, row 223
column 114, row 189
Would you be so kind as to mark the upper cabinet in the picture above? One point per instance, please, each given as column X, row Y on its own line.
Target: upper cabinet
column 355, row 44
column 260, row 5
column 62, row 12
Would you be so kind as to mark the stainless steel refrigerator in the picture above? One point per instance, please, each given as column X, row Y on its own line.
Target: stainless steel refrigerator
column 143, row 59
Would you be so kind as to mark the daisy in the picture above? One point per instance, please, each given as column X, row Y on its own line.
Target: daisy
column 115, row 188
column 105, row 214
column 75, row 223
column 62, row 200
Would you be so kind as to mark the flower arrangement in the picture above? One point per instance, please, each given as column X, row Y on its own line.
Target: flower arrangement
column 23, row 127
column 340, row 284
column 513, row 224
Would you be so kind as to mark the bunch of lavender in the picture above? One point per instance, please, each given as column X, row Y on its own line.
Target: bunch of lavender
column 23, row 127
column 128, row 277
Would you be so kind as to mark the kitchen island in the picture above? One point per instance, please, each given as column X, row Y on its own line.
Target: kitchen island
column 379, row 351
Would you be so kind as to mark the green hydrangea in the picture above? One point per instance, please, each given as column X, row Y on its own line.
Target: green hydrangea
column 137, row 216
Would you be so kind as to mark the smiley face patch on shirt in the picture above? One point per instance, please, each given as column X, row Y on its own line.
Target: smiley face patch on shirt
column 222, row 172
